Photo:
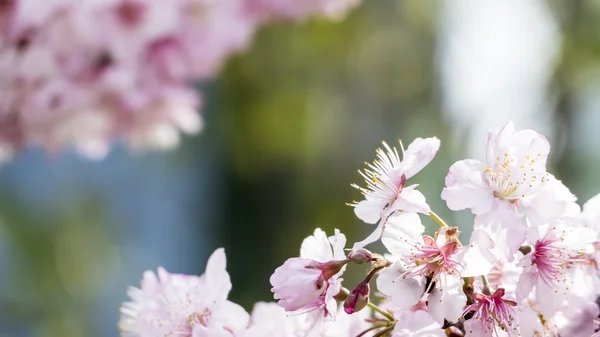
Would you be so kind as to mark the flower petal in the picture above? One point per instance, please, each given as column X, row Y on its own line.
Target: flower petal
column 447, row 303
column 477, row 258
column 411, row 200
column 466, row 187
column 506, row 228
column 403, row 292
column 369, row 210
column 418, row 154
column 399, row 228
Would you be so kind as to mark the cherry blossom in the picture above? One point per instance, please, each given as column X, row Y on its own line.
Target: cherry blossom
column 515, row 169
column 308, row 283
column 87, row 73
column 425, row 268
column 183, row 305
column 491, row 313
column 529, row 268
column 386, row 190
column 555, row 250
column 295, row 10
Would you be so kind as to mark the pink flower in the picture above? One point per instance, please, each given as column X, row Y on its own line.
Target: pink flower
column 308, row 283
column 87, row 73
column 515, row 169
column 300, row 10
column 491, row 313
column 298, row 284
column 183, row 305
column 386, row 190
column 546, row 268
column 425, row 268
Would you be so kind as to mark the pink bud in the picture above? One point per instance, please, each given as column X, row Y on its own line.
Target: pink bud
column 360, row 256
column 358, row 298
column 328, row 268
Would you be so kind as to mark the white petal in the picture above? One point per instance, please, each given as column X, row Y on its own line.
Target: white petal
column 418, row 154
column 417, row 324
column 216, row 277
column 411, row 200
column 401, row 233
column 506, row 228
column 369, row 210
column 403, row 292
column 477, row 258
column 526, row 282
column 450, row 305
column 466, row 188
column 338, row 242
column 316, row 247
column 374, row 236
column 591, row 212
column 551, row 203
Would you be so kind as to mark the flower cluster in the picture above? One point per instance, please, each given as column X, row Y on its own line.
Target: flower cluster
column 85, row 72
column 529, row 268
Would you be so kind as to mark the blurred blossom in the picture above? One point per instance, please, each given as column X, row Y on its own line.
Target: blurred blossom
column 297, row 10
column 84, row 73
column 496, row 59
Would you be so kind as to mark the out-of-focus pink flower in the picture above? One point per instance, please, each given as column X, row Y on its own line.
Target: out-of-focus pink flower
column 310, row 282
column 183, row 305
column 85, row 73
column 300, row 10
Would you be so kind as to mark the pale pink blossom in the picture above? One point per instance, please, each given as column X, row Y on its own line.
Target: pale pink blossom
column 310, row 282
column 515, row 169
column 86, row 73
column 491, row 315
column 183, row 305
column 300, row 10
column 578, row 319
column 386, row 190
column 554, row 251
column 425, row 268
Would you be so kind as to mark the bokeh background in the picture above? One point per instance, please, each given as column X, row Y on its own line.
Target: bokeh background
column 288, row 123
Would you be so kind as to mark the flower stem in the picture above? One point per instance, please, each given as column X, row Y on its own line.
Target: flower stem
column 437, row 219
column 486, row 285
column 381, row 311
column 442, row 224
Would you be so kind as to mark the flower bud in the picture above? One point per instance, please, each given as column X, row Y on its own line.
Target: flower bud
column 358, row 298
column 328, row 268
column 360, row 256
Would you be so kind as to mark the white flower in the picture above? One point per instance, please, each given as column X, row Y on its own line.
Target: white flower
column 515, row 169
column 386, row 190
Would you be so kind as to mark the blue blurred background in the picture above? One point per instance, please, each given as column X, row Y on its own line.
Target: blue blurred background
column 288, row 123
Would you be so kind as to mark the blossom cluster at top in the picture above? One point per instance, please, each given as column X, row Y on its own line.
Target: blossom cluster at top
column 84, row 72
column 529, row 267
